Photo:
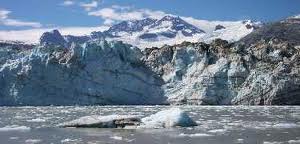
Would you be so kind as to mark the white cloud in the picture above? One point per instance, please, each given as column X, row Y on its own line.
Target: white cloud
column 5, row 20
column 89, row 6
column 108, row 22
column 68, row 3
column 121, row 7
column 4, row 14
column 32, row 35
column 17, row 23
column 121, row 13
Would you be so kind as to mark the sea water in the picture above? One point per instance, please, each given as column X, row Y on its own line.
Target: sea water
column 216, row 125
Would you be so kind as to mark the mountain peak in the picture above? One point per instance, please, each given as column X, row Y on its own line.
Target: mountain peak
column 175, row 24
column 170, row 17
column 130, row 26
column 52, row 38
column 295, row 17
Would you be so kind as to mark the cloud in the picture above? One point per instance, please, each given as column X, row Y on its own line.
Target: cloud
column 18, row 23
column 5, row 20
column 4, row 14
column 122, row 13
column 32, row 35
column 108, row 22
column 89, row 6
column 68, row 3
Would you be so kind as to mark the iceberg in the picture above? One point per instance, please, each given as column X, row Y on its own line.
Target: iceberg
column 96, row 121
column 173, row 117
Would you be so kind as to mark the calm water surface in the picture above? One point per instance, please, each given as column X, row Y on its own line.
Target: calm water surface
column 217, row 125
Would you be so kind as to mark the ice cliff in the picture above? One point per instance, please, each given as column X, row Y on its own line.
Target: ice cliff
column 97, row 72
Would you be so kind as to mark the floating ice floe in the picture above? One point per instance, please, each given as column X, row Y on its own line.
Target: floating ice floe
column 294, row 141
column 219, row 131
column 111, row 121
column 69, row 140
column 285, row 125
column 116, row 138
column 33, row 141
column 195, row 135
column 164, row 119
column 37, row 120
column 274, row 142
column 173, row 117
column 15, row 128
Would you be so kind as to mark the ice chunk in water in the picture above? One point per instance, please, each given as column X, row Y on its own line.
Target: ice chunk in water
column 96, row 121
column 15, row 128
column 33, row 141
column 173, row 117
column 164, row 119
column 195, row 135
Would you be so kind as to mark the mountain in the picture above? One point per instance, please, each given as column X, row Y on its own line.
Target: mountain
column 286, row 30
column 167, row 30
column 175, row 30
column 263, row 68
column 130, row 26
column 52, row 38
column 170, row 27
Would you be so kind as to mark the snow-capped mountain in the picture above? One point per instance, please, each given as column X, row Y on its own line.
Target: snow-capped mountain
column 130, row 26
column 148, row 32
column 169, row 27
column 172, row 30
column 168, row 30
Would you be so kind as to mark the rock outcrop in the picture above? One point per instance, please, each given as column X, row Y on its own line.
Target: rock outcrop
column 52, row 38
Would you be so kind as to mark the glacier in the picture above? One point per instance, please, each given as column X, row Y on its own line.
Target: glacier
column 260, row 69
column 98, row 72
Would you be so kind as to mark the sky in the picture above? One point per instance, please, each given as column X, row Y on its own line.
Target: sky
column 24, row 14
column 77, row 16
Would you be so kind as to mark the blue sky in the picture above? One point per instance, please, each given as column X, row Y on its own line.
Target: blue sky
column 28, row 14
